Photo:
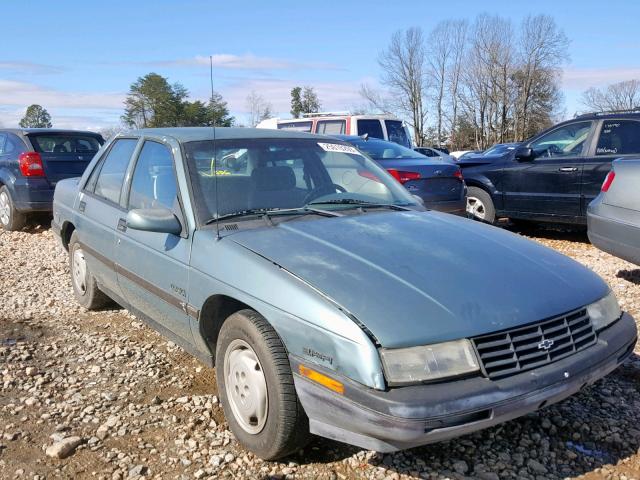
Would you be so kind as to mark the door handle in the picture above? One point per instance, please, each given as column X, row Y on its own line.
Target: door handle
column 82, row 206
column 568, row 169
column 122, row 225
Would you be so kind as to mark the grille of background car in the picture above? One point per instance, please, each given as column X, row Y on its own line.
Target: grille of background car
column 517, row 350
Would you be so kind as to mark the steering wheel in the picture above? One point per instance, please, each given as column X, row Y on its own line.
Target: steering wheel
column 322, row 190
column 553, row 149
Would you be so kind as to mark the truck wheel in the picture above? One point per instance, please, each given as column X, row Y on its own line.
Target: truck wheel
column 480, row 206
column 256, row 387
column 10, row 218
column 85, row 287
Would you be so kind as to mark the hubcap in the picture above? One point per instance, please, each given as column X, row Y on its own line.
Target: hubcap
column 5, row 210
column 246, row 386
column 79, row 271
column 476, row 208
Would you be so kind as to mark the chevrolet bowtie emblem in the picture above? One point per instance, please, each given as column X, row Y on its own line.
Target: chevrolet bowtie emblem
column 546, row 344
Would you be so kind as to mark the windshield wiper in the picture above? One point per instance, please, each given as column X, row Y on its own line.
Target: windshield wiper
column 362, row 203
column 268, row 212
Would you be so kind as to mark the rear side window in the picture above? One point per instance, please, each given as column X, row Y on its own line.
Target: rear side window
column 111, row 176
column 297, row 126
column 86, row 144
column 372, row 127
column 619, row 137
column 331, row 127
column 154, row 182
column 397, row 133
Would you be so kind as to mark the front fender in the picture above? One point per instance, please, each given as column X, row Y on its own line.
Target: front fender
column 311, row 326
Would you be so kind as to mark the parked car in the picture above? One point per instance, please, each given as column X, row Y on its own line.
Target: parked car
column 438, row 183
column 385, row 127
column 458, row 153
column 470, row 153
column 327, row 298
column 553, row 176
column 32, row 161
column 435, row 154
column 613, row 218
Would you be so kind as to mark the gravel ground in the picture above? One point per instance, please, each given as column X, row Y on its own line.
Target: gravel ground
column 100, row 395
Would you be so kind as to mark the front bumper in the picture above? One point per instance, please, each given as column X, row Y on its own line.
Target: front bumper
column 407, row 417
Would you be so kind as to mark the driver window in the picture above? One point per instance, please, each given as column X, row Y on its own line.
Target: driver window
column 566, row 141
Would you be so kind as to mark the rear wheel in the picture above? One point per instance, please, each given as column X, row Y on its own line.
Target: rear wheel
column 480, row 206
column 10, row 218
column 85, row 287
column 256, row 387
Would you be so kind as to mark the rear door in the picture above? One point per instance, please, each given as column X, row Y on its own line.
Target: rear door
column 616, row 138
column 65, row 155
column 153, row 268
column 549, row 186
column 99, row 209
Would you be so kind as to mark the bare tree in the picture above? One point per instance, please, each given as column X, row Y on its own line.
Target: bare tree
column 259, row 109
column 375, row 99
column 618, row 96
column 458, row 40
column 542, row 50
column 439, row 52
column 403, row 72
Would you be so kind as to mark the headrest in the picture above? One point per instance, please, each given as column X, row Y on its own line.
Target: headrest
column 273, row 178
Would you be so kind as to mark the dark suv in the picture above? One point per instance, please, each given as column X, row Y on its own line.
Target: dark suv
column 553, row 176
column 31, row 163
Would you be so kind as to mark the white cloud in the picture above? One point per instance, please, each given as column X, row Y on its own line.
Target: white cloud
column 24, row 94
column 244, row 62
column 29, row 68
column 583, row 78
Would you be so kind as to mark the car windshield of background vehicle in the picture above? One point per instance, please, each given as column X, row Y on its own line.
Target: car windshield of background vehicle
column 83, row 144
column 387, row 150
column 499, row 149
column 566, row 141
column 397, row 133
column 619, row 137
column 297, row 126
column 260, row 174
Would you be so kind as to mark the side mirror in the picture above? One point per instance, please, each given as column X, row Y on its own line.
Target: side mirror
column 524, row 154
column 160, row 220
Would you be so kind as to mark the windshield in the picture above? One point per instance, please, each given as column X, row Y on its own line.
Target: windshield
column 65, row 143
column 396, row 132
column 499, row 149
column 256, row 174
column 380, row 150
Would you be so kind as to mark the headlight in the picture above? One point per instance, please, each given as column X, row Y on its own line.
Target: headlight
column 604, row 312
column 429, row 362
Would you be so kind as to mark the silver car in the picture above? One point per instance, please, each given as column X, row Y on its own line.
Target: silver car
column 613, row 217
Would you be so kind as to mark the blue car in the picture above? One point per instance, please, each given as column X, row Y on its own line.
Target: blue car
column 325, row 295
column 32, row 161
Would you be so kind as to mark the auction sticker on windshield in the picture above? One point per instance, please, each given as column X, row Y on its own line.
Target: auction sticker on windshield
column 336, row 147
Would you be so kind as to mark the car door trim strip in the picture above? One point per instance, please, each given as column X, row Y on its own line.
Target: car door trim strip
column 190, row 310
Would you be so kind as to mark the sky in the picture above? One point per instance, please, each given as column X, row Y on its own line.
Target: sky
column 78, row 59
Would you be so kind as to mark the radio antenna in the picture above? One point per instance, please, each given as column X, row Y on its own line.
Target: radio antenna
column 215, row 163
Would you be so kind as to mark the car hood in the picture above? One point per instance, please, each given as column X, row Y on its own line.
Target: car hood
column 415, row 278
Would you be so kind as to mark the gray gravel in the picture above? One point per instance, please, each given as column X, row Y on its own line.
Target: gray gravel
column 100, row 395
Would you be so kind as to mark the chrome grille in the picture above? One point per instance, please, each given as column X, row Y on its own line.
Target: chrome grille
column 524, row 348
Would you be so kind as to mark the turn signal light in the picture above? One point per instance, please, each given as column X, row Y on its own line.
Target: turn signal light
column 402, row 176
column 321, row 379
column 608, row 181
column 31, row 164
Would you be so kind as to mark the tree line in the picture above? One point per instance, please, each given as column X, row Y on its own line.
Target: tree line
column 471, row 84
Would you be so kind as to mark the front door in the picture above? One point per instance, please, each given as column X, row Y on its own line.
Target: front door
column 99, row 210
column 549, row 185
column 153, row 268
column 617, row 138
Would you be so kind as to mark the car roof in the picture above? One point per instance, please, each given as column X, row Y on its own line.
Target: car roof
column 605, row 115
column 194, row 134
column 27, row 131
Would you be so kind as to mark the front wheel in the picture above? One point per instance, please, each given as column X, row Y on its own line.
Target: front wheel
column 480, row 206
column 255, row 385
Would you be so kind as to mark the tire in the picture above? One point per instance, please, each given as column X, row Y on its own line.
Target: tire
column 85, row 287
column 11, row 219
column 480, row 206
column 248, row 350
